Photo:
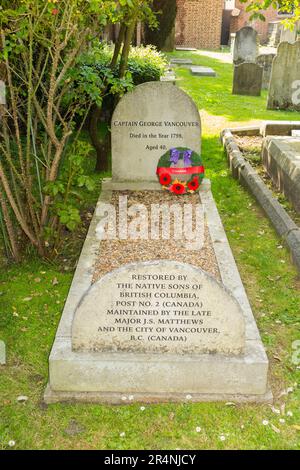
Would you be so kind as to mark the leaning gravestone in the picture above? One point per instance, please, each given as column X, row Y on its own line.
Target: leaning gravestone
column 247, row 79
column 245, row 46
column 266, row 61
column 284, row 91
column 152, row 318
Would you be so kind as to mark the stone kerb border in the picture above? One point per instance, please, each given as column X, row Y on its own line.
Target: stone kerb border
column 285, row 227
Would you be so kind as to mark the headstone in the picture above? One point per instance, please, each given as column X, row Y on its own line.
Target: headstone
column 245, row 46
column 202, row 71
column 265, row 61
column 284, row 90
column 147, row 122
column 247, row 79
column 220, row 327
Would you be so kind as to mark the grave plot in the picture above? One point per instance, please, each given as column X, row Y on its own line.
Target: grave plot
column 152, row 317
column 267, row 164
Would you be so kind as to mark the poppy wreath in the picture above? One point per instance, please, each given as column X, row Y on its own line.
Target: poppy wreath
column 169, row 176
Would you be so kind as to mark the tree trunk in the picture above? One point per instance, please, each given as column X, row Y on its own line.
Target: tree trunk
column 102, row 162
column 126, row 49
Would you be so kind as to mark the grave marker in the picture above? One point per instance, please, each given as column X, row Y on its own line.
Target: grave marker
column 284, row 91
column 247, row 79
column 245, row 46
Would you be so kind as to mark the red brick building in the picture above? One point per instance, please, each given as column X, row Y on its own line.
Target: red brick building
column 199, row 23
column 240, row 18
column 206, row 24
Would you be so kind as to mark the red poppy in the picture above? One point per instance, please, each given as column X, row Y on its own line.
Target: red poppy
column 55, row 11
column 177, row 188
column 165, row 179
column 194, row 184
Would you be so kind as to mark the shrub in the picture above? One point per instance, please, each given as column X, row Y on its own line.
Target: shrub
column 145, row 64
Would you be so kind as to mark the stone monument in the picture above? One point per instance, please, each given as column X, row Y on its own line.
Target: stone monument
column 284, row 90
column 247, row 79
column 266, row 61
column 245, row 46
column 152, row 319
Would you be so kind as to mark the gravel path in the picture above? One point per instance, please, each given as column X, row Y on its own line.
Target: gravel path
column 115, row 253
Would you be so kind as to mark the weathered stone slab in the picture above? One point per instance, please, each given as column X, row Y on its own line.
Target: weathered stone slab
column 295, row 133
column 245, row 46
column 147, row 122
column 160, row 306
column 247, row 79
column 265, row 61
column 183, row 48
column 283, row 128
column 178, row 61
column 203, row 71
column 281, row 159
column 284, row 90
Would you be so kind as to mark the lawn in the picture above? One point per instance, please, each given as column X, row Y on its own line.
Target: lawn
column 32, row 296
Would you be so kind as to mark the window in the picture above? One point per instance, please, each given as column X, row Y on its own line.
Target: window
column 284, row 12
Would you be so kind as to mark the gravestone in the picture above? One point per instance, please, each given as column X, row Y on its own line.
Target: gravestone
column 149, row 320
column 265, row 61
column 245, row 46
column 203, row 71
column 284, row 90
column 145, row 124
column 247, row 79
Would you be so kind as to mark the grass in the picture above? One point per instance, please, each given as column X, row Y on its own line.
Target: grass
column 32, row 297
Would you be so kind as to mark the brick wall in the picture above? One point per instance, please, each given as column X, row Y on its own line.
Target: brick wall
column 261, row 27
column 199, row 23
